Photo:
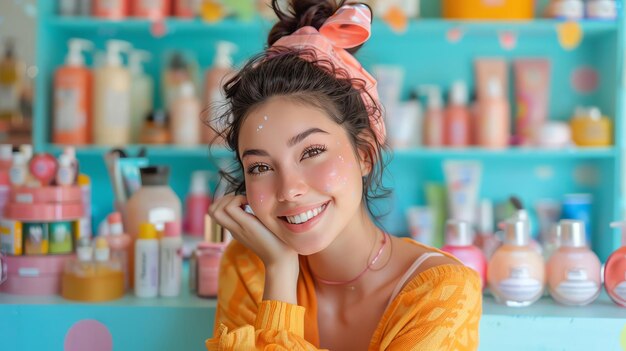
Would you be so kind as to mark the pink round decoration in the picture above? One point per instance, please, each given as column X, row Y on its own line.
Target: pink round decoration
column 585, row 79
column 88, row 334
column 158, row 28
column 454, row 35
column 508, row 40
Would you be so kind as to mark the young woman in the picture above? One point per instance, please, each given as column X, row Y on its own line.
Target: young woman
column 310, row 269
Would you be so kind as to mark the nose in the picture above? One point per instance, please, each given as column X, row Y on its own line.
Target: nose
column 292, row 186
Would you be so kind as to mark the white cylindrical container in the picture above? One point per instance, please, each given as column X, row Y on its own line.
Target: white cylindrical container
column 171, row 261
column 185, row 117
column 147, row 262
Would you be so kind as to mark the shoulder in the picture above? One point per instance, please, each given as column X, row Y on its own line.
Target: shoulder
column 438, row 269
column 441, row 304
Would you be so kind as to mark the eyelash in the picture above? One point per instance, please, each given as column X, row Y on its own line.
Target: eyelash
column 256, row 165
column 317, row 148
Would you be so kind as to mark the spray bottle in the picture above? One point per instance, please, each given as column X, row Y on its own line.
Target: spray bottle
column 112, row 98
column 141, row 92
column 214, row 95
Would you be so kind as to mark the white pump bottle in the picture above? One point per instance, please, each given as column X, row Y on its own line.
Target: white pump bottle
column 112, row 98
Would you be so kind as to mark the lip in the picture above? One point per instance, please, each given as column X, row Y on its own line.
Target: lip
column 303, row 227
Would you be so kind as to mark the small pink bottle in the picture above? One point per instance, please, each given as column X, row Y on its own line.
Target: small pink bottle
column 197, row 204
column 459, row 243
column 516, row 271
column 110, row 9
column 457, row 117
column 209, row 256
column 153, row 9
column 573, row 269
column 184, row 9
column 615, row 270
column 494, row 118
column 119, row 243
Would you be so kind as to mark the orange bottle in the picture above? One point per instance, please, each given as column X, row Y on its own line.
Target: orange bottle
column 457, row 117
column 110, row 9
column 72, row 97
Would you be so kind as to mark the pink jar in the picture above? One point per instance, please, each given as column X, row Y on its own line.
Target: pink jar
column 209, row 256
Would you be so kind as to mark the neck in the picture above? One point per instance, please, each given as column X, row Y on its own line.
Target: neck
column 350, row 254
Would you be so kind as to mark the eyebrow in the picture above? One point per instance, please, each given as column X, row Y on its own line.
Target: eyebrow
column 290, row 143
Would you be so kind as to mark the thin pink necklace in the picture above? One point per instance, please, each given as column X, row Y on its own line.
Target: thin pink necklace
column 369, row 266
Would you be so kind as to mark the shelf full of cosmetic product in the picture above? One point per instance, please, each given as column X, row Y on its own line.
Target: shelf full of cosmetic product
column 414, row 26
column 46, row 231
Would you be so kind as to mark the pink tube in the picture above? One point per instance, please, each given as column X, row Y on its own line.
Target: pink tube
column 532, row 89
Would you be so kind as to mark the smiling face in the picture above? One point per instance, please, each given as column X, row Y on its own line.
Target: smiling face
column 303, row 177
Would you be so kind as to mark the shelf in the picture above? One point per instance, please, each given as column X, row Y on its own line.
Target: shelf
column 417, row 153
column 185, row 322
column 172, row 25
column 152, row 150
column 427, row 25
column 514, row 153
column 537, row 26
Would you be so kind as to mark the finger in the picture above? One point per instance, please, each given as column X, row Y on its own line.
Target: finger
column 219, row 205
column 235, row 208
column 222, row 217
column 227, row 222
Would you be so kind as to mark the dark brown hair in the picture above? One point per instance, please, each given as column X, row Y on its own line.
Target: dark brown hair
column 312, row 82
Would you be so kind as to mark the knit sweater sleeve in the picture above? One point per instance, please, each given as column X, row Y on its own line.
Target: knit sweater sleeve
column 243, row 321
column 440, row 309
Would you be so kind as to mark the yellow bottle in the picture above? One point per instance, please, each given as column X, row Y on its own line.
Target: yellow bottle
column 591, row 129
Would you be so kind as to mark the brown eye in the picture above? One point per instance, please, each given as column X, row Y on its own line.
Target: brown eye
column 313, row 151
column 258, row 168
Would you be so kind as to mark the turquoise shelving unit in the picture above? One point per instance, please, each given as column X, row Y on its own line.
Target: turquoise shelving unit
column 427, row 57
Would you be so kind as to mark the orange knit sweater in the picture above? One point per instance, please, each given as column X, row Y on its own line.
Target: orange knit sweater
column 439, row 309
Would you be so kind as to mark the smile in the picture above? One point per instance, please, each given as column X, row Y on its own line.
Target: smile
column 305, row 216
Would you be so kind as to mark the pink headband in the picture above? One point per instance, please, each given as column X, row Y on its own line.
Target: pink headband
column 349, row 27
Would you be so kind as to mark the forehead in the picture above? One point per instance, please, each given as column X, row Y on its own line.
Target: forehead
column 281, row 118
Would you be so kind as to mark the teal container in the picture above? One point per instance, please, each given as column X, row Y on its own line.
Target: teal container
column 36, row 238
column 61, row 234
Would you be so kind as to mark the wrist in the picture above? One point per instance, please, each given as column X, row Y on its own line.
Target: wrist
column 281, row 282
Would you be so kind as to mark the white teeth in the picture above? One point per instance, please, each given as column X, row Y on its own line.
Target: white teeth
column 302, row 218
column 306, row 216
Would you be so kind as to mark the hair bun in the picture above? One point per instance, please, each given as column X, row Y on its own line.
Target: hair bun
column 301, row 13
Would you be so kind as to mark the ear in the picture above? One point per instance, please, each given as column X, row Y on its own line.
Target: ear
column 366, row 160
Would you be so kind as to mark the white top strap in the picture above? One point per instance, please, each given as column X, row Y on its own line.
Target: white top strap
column 410, row 272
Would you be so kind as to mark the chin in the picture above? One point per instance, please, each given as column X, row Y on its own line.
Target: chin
column 309, row 246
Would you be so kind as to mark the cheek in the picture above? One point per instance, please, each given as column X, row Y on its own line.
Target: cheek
column 338, row 174
column 258, row 194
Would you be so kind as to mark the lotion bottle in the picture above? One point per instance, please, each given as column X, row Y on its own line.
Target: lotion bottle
column 72, row 97
column 112, row 98
column 147, row 262
column 221, row 70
